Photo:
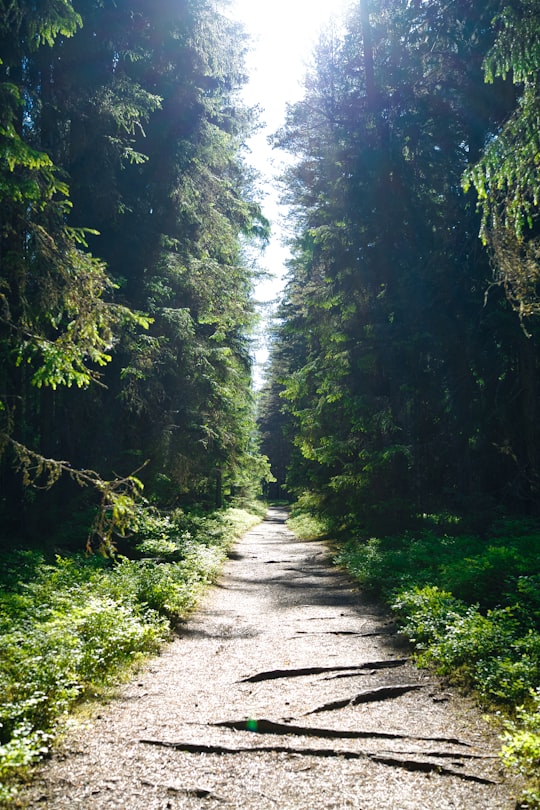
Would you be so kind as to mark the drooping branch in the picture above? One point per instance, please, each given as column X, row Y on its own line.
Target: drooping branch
column 118, row 497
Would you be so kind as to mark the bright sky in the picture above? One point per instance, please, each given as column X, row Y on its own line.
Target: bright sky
column 283, row 34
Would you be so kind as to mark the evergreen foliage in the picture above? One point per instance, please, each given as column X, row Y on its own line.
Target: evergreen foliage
column 506, row 177
column 405, row 386
column 403, row 379
column 125, row 296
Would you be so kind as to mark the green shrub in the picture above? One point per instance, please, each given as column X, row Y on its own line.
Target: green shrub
column 426, row 613
column 68, row 627
column 487, row 651
column 509, row 677
column 168, row 588
column 18, row 566
column 307, row 527
column 111, row 634
column 471, row 605
column 527, row 591
column 25, row 747
column 498, row 572
column 384, row 565
column 521, row 750
column 474, row 636
column 486, row 577
column 306, row 521
column 367, row 562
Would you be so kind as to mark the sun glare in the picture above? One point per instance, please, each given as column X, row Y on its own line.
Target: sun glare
column 283, row 34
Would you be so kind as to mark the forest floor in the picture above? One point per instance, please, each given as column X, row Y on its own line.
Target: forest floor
column 337, row 716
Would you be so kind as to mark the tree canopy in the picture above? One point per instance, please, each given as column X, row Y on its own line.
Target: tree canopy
column 405, row 363
column 125, row 294
column 407, row 382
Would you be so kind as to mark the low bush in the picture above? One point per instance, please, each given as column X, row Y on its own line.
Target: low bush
column 70, row 626
column 471, row 606
column 65, row 643
column 492, row 652
column 521, row 749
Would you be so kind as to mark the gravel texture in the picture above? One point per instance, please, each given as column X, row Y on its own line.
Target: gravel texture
column 318, row 705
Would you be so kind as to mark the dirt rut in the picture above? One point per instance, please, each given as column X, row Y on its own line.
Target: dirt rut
column 286, row 690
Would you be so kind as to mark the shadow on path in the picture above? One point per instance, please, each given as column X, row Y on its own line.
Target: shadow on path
column 287, row 689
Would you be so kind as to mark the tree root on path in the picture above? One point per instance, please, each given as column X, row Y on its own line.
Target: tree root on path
column 390, row 632
column 263, row 726
column 274, row 674
column 197, row 792
column 381, row 693
column 424, row 766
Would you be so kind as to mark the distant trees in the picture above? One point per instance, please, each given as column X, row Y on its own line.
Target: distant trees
column 407, row 388
column 124, row 295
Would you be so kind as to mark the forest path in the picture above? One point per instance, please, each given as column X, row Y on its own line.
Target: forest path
column 344, row 720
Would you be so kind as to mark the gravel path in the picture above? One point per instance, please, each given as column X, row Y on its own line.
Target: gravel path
column 286, row 643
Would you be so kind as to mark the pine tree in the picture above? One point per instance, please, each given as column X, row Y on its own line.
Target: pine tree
column 132, row 108
column 387, row 281
column 506, row 177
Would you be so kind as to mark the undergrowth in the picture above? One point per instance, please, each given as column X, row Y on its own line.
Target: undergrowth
column 71, row 625
column 470, row 604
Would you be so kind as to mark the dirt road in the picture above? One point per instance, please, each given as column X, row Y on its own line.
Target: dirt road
column 286, row 690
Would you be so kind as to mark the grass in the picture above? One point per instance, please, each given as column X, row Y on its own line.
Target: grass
column 470, row 605
column 71, row 625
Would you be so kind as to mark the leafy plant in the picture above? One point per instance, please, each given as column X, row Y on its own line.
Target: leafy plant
column 71, row 625
column 471, row 607
column 426, row 613
column 521, row 749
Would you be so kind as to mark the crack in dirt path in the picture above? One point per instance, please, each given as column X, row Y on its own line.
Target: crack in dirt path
column 216, row 720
